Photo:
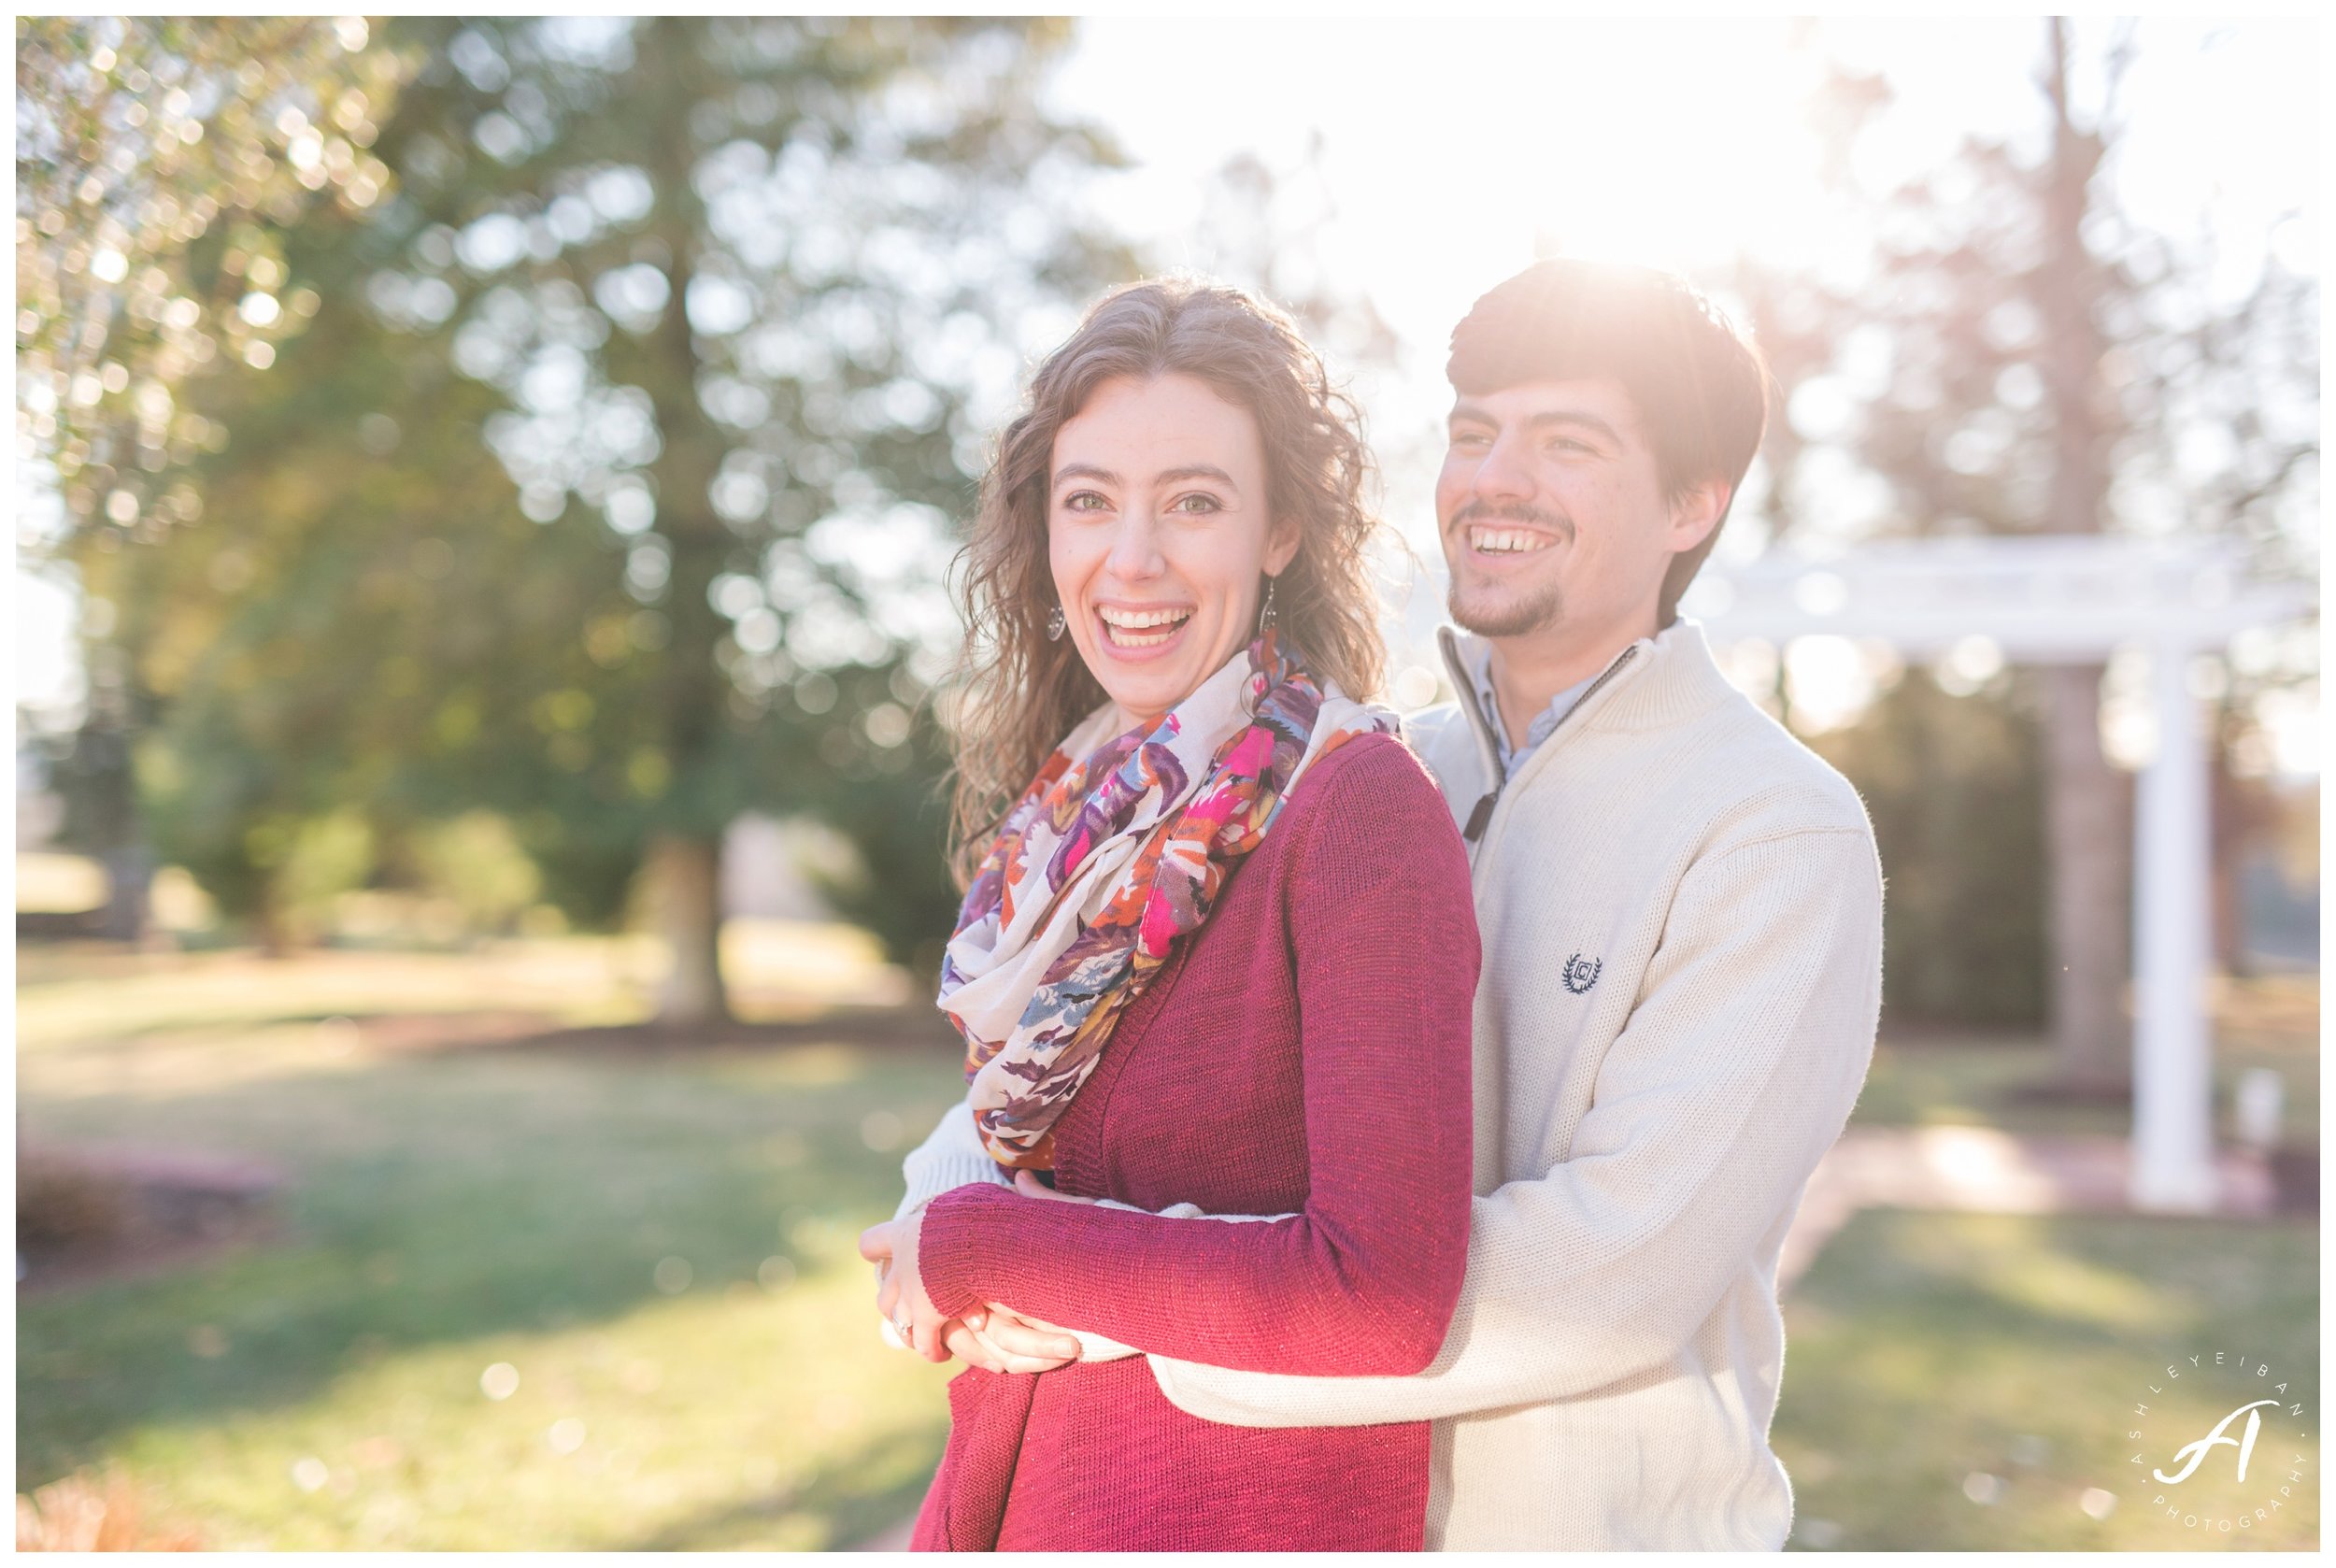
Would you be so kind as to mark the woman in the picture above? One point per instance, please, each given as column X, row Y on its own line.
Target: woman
column 1217, row 948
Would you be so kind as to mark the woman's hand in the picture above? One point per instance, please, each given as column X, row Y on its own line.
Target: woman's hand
column 1000, row 1339
column 901, row 1294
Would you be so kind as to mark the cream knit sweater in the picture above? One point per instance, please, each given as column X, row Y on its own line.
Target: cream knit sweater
column 1681, row 914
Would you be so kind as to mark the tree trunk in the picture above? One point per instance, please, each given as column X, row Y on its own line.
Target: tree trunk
column 271, row 922
column 684, row 868
column 129, row 886
column 2242, row 818
column 102, row 814
column 684, row 887
column 2088, row 833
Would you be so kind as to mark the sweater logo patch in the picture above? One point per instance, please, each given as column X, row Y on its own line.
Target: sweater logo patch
column 1581, row 973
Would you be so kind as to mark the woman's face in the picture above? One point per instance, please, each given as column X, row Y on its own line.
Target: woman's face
column 1158, row 532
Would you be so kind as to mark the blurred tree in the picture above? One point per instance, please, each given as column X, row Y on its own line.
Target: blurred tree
column 2026, row 357
column 612, row 486
column 475, row 862
column 158, row 159
column 753, row 293
column 1955, row 785
column 2074, row 300
column 321, row 637
column 1260, row 229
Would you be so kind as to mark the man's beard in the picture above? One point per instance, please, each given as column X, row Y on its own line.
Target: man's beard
column 1532, row 610
column 1529, row 612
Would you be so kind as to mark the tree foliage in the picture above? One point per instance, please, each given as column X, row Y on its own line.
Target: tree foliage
column 613, row 482
column 1955, row 785
column 2023, row 356
column 159, row 159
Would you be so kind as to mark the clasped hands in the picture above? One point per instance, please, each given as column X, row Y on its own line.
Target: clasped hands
column 997, row 1338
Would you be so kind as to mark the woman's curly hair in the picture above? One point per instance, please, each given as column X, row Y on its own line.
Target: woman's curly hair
column 1016, row 694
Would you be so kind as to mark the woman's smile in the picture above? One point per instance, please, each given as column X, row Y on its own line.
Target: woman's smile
column 1134, row 633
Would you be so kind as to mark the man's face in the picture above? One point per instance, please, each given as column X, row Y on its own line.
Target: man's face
column 1552, row 512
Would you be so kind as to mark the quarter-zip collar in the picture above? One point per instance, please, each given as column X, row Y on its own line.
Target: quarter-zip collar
column 1458, row 665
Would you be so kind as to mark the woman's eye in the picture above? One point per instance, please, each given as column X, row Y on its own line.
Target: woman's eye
column 1084, row 501
column 1197, row 503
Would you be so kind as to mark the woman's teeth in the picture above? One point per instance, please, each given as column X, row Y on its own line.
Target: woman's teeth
column 1507, row 541
column 1141, row 628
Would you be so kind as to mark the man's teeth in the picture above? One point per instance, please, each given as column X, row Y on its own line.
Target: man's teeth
column 1510, row 541
column 1133, row 628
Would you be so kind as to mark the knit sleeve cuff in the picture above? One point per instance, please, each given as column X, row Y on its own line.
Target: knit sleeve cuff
column 948, row 1246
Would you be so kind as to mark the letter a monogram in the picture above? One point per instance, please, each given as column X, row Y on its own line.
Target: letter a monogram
column 2196, row 1452
column 1580, row 973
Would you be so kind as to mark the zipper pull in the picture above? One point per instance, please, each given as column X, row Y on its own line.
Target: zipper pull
column 1479, row 817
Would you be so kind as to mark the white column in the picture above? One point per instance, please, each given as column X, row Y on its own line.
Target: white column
column 2174, row 1156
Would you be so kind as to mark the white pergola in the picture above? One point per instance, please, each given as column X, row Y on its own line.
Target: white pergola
column 2069, row 599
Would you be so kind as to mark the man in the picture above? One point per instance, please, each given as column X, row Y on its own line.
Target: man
column 1680, row 911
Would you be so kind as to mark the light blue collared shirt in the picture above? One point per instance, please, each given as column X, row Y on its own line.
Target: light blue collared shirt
column 1544, row 721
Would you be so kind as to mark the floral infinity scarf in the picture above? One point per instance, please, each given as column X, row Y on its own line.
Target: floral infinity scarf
column 1118, row 848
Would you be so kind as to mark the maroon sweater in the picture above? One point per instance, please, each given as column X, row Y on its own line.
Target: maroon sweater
column 1306, row 1052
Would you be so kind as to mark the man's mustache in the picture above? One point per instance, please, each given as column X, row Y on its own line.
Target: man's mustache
column 1514, row 511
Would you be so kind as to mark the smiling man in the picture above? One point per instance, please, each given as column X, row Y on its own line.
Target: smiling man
column 1680, row 911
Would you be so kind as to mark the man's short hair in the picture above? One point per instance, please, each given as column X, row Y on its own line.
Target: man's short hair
column 1697, row 379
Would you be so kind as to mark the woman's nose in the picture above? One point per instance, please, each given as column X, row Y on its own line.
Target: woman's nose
column 1135, row 545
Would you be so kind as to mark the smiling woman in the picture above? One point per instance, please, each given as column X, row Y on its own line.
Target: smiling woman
column 1160, row 535
column 1215, row 944
column 1181, row 454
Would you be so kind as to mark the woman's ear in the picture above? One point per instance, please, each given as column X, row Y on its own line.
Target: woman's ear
column 1282, row 539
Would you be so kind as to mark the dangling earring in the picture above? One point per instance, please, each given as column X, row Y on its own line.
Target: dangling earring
column 1266, row 611
column 1055, row 623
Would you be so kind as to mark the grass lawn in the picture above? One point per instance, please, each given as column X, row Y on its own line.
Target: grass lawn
column 1960, row 1381
column 1989, row 1080
column 660, row 1247
column 1937, row 1358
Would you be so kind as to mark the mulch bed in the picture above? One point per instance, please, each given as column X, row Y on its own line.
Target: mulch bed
column 93, row 1213
column 906, row 1029
column 917, row 1029
column 88, row 1213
